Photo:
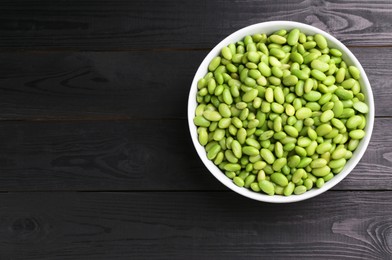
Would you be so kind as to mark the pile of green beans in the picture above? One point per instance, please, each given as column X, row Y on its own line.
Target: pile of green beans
column 280, row 114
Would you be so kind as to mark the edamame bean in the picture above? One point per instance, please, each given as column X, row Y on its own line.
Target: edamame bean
column 290, row 80
column 277, row 39
column 312, row 95
column 303, row 113
column 230, row 157
column 361, row 107
column 213, row 151
column 267, row 187
column 321, row 172
column 297, row 176
column 338, row 108
column 323, row 148
column 214, row 63
column 337, row 163
column 318, row 163
column 326, row 116
column 241, row 135
column 323, row 129
column 343, row 94
column 321, row 41
column 299, row 190
column 320, row 182
column 259, row 165
column 294, row 161
column 238, row 181
column 278, row 164
column 250, row 150
column 249, row 180
column 233, row 167
column 308, row 183
column 317, row 74
column 236, row 147
column 357, row 134
column 353, row 122
column 255, row 187
column 279, row 179
column 319, row 65
column 267, row 156
column 354, row 72
column 227, row 97
column 291, row 131
column 289, row 189
column 293, row 37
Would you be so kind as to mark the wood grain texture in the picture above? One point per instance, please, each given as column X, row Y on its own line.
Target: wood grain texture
column 138, row 155
column 120, row 24
column 194, row 225
column 127, row 85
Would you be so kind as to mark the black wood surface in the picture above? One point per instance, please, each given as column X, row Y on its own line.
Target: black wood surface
column 194, row 225
column 96, row 160
column 141, row 24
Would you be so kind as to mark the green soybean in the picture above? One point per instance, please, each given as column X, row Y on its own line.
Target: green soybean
column 308, row 183
column 277, row 39
column 236, row 147
column 318, row 163
column 321, row 172
column 293, row 161
column 214, row 63
column 213, row 151
column 250, row 150
column 357, row 134
column 354, row 122
column 361, row 107
column 323, row 129
column 319, row 65
column 303, row 113
column 337, row 163
column 343, row 94
column 267, row 187
column 279, row 179
column 250, row 95
column 321, row 41
column 297, row 176
column 238, row 181
column 293, row 37
column 201, row 121
column 317, row 74
column 299, row 190
column 326, row 116
column 312, row 96
column 320, row 182
column 354, row 72
column 267, row 156
column 289, row 189
column 323, row 148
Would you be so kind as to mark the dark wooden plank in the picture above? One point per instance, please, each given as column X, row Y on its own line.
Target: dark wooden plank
column 138, row 155
column 98, row 85
column 100, row 25
column 194, row 225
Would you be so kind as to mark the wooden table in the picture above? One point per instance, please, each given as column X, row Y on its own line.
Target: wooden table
column 97, row 161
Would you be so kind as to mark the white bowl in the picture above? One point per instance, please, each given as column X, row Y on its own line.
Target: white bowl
column 268, row 28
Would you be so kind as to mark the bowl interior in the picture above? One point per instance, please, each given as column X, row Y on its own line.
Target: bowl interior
column 268, row 28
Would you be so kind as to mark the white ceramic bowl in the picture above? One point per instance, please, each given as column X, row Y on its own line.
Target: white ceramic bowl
column 268, row 28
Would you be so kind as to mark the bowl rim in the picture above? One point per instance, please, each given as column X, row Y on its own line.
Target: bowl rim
column 240, row 34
